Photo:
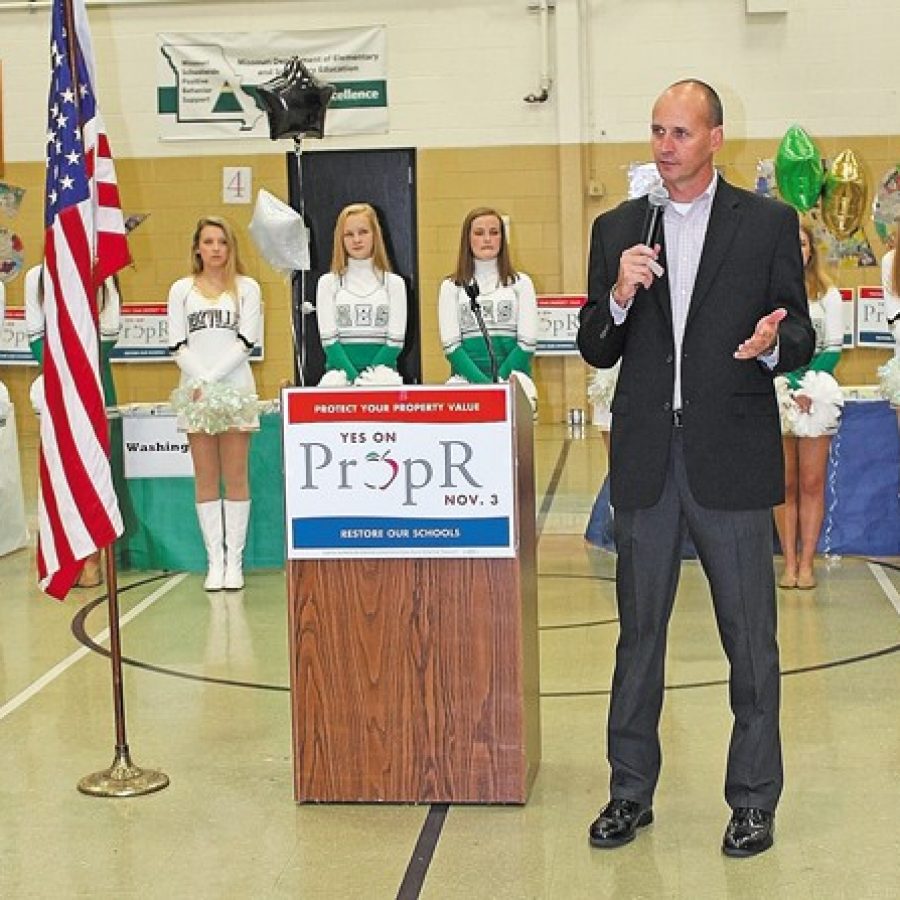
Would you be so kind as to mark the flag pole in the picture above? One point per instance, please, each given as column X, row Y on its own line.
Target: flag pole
column 122, row 778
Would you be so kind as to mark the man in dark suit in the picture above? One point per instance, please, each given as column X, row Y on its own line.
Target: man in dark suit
column 701, row 320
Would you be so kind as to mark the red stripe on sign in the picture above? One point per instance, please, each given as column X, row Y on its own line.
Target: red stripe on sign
column 443, row 405
column 144, row 309
column 561, row 301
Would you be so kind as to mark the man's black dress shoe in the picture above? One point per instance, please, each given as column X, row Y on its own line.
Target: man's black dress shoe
column 617, row 823
column 749, row 832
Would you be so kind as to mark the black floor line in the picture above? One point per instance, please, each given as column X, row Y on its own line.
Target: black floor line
column 720, row 682
column 584, row 576
column 414, row 877
column 553, row 485
column 79, row 630
column 590, row 624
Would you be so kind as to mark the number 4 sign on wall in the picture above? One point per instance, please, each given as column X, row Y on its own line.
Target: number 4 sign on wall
column 237, row 184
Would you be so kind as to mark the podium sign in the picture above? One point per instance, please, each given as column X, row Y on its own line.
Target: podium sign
column 399, row 472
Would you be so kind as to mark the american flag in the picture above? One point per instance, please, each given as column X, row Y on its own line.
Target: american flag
column 84, row 243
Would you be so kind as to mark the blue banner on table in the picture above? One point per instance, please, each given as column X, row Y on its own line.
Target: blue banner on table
column 862, row 509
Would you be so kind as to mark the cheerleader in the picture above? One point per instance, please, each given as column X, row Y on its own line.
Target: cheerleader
column 890, row 283
column 889, row 373
column 810, row 401
column 360, row 304
column 507, row 300
column 214, row 320
column 109, row 307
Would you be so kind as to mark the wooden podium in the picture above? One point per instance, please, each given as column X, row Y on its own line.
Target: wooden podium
column 416, row 679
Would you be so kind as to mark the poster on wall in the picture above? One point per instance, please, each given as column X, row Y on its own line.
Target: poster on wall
column 14, row 347
column 144, row 336
column 206, row 83
column 872, row 329
column 558, row 323
column 848, row 306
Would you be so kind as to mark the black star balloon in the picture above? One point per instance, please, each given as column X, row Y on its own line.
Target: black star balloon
column 295, row 102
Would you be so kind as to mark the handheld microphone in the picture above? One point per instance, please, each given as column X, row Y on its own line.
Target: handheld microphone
column 472, row 291
column 657, row 200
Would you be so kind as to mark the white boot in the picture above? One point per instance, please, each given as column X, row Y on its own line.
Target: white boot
column 237, row 515
column 209, row 515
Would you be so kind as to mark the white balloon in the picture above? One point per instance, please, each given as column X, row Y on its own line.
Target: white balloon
column 279, row 233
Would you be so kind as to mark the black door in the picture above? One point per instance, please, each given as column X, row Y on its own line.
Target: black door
column 327, row 182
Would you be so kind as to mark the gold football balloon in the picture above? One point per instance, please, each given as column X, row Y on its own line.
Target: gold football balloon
column 844, row 198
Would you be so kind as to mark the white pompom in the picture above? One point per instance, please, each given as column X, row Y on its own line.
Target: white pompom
column 825, row 409
column 602, row 387
column 335, row 378
column 787, row 409
column 889, row 376
column 379, row 375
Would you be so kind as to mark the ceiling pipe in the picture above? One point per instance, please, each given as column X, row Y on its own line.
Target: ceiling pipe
column 543, row 9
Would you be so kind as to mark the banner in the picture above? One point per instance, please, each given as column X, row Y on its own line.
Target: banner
column 848, row 306
column 558, row 323
column 14, row 347
column 144, row 336
column 872, row 329
column 399, row 472
column 153, row 447
column 206, row 83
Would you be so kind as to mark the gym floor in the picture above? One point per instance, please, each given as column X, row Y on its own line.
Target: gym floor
column 207, row 701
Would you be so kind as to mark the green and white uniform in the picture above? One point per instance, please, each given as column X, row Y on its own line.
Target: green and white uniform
column 827, row 317
column 362, row 318
column 510, row 316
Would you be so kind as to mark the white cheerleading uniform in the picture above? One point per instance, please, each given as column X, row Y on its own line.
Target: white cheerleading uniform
column 110, row 325
column 110, row 313
column 891, row 300
column 827, row 317
column 211, row 340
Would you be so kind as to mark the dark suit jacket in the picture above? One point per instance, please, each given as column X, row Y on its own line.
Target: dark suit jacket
column 750, row 265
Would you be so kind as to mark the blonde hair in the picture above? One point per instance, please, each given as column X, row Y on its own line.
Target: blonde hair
column 233, row 267
column 465, row 259
column 339, row 251
column 814, row 275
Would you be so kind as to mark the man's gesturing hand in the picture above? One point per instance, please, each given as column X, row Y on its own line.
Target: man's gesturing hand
column 764, row 336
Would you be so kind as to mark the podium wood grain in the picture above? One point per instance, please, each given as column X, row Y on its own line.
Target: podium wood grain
column 416, row 680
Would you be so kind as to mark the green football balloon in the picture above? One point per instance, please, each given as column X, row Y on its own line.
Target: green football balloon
column 798, row 169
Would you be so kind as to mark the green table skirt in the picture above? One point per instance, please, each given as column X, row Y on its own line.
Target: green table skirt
column 161, row 530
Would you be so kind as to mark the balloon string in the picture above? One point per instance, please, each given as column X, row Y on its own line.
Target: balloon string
column 300, row 318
